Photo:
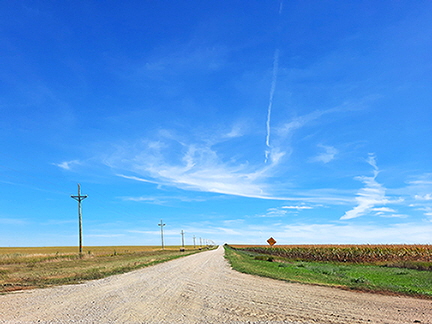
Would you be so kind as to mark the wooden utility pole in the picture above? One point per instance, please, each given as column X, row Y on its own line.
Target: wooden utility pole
column 182, row 234
column 79, row 198
column 194, row 241
column 162, row 225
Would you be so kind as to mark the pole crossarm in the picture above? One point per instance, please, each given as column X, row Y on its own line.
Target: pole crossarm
column 80, row 197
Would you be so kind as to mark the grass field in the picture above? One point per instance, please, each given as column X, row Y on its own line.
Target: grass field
column 37, row 267
column 372, row 277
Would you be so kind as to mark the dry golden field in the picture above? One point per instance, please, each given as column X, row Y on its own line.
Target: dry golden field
column 97, row 250
column 33, row 267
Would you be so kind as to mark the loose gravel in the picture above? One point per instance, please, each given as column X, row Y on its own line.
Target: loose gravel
column 202, row 288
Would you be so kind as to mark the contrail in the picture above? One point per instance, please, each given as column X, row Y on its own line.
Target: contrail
column 273, row 87
column 269, row 109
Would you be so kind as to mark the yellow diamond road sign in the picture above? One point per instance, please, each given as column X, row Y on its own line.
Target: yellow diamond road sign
column 271, row 241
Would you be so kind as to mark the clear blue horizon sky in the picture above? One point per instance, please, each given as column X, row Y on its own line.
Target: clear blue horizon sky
column 307, row 121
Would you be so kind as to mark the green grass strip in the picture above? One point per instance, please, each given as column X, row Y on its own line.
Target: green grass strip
column 348, row 276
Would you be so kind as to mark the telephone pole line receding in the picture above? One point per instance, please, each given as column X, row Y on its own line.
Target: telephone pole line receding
column 162, row 225
column 79, row 198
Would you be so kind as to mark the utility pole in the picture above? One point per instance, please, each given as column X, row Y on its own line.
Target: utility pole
column 79, row 198
column 162, row 225
column 182, row 234
column 194, row 241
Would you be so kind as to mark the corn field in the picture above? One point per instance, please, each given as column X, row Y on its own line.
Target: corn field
column 347, row 253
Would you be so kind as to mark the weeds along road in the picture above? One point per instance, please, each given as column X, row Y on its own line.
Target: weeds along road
column 202, row 288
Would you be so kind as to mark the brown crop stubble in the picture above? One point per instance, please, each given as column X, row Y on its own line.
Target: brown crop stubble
column 373, row 254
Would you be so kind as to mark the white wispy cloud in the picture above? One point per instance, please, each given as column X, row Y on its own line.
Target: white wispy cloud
column 284, row 131
column 420, row 190
column 274, row 212
column 423, row 181
column 427, row 210
column 383, row 209
column 231, row 222
column 213, row 161
column 371, row 195
column 13, row 221
column 226, row 230
column 166, row 232
column 136, row 178
column 288, row 128
column 236, row 131
column 297, row 207
column 203, row 230
column 423, row 197
column 67, row 165
column 105, row 235
column 284, row 210
column 163, row 199
column 196, row 165
column 326, row 156
column 394, row 216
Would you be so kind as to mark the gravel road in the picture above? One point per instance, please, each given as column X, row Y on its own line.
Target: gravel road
column 202, row 288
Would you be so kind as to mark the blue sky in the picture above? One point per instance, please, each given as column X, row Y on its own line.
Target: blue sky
column 308, row 121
